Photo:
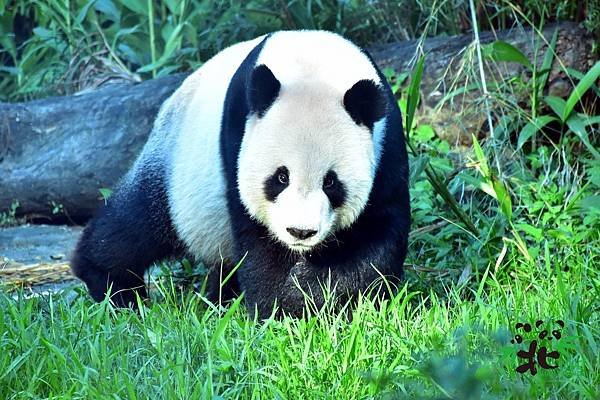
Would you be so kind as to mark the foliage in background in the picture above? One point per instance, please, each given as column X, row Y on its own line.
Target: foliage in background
column 549, row 180
column 9, row 217
column 61, row 46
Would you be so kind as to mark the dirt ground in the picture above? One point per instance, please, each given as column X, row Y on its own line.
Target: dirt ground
column 36, row 257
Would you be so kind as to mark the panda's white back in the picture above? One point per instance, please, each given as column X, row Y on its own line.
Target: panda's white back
column 196, row 186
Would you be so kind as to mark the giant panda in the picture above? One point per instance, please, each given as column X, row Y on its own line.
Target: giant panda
column 286, row 151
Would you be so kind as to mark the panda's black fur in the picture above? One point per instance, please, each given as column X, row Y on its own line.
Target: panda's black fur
column 135, row 228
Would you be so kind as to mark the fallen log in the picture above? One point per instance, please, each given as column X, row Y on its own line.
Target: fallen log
column 56, row 153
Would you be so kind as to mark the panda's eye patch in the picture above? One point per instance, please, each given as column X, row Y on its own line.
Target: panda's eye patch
column 276, row 183
column 334, row 189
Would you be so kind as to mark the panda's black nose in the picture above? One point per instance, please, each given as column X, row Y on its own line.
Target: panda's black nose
column 301, row 233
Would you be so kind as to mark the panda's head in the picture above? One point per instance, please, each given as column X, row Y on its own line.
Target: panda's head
column 308, row 157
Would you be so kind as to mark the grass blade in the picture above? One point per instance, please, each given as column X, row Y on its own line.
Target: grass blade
column 532, row 128
column 414, row 95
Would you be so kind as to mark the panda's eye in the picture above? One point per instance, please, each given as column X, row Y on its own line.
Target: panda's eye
column 276, row 183
column 328, row 181
column 283, row 178
column 334, row 189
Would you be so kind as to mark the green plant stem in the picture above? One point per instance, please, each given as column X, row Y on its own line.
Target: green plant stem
column 441, row 188
column 69, row 27
column 151, row 30
column 486, row 96
column 111, row 51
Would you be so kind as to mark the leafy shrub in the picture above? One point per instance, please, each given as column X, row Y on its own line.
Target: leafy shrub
column 57, row 47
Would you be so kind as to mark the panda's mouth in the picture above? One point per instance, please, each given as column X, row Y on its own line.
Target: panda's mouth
column 300, row 247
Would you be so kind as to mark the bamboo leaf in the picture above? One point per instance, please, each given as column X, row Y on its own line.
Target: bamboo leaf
column 414, row 95
column 578, row 75
column 506, row 52
column 172, row 44
column 84, row 11
column 480, row 157
column 557, row 105
column 478, row 183
column 503, row 197
column 532, row 231
column 584, row 84
column 591, row 120
column 577, row 125
column 532, row 128
column 418, row 166
column 108, row 8
column 137, row 6
column 544, row 71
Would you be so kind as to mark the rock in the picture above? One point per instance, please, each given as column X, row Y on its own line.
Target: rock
column 56, row 153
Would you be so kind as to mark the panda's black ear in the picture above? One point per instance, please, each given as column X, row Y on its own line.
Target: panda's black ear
column 365, row 102
column 262, row 90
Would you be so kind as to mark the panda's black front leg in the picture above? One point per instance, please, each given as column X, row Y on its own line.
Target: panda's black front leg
column 375, row 247
column 270, row 278
column 132, row 231
column 287, row 285
column 106, row 261
column 264, row 276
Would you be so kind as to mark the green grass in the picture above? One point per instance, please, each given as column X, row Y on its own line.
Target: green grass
column 417, row 345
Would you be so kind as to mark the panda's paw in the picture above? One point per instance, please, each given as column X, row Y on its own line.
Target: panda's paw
column 122, row 294
column 132, row 298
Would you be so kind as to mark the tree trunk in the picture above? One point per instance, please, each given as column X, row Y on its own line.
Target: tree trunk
column 56, row 153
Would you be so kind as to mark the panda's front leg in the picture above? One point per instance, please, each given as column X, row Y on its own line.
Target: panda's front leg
column 107, row 260
column 343, row 281
column 292, row 282
column 287, row 288
column 264, row 278
column 127, row 235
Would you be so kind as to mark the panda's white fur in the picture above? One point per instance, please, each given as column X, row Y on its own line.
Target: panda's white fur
column 308, row 147
column 187, row 130
column 197, row 198
column 309, row 66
